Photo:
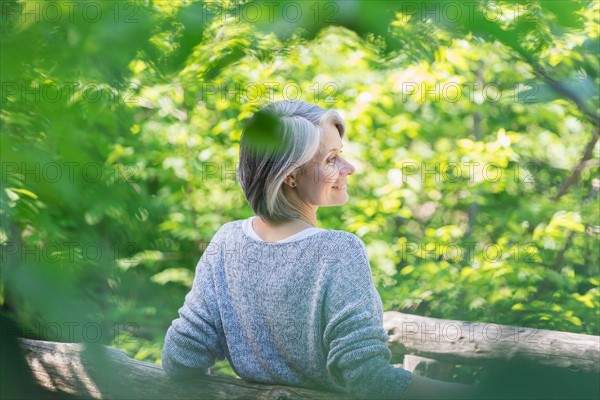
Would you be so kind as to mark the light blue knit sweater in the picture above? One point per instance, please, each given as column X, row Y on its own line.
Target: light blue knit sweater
column 302, row 313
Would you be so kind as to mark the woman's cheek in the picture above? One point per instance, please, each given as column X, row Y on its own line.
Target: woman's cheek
column 329, row 175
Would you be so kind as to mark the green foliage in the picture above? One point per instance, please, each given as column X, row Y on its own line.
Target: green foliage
column 120, row 142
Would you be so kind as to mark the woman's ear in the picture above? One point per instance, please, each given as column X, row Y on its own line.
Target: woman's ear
column 290, row 180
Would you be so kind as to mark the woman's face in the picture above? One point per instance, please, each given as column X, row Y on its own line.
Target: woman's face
column 323, row 182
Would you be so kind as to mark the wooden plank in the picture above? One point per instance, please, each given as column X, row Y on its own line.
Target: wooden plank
column 427, row 367
column 461, row 342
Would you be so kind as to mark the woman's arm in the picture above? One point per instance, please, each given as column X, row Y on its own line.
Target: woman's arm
column 192, row 343
column 358, row 357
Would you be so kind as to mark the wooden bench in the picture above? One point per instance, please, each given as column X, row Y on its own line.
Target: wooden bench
column 431, row 347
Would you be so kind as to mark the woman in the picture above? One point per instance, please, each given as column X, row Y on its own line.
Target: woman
column 288, row 303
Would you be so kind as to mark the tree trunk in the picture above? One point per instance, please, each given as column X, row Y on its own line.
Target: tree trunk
column 102, row 372
column 460, row 342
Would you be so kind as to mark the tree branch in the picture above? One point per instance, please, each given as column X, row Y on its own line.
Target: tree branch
column 587, row 155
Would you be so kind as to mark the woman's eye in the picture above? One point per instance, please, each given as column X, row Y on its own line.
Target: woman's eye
column 333, row 159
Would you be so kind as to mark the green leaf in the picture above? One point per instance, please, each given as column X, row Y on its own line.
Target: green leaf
column 182, row 276
column 25, row 192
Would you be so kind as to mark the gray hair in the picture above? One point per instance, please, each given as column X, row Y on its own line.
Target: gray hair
column 277, row 140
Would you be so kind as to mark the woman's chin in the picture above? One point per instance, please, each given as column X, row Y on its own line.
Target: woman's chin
column 341, row 201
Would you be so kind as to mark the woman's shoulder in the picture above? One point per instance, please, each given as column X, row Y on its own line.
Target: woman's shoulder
column 340, row 245
column 227, row 231
column 347, row 237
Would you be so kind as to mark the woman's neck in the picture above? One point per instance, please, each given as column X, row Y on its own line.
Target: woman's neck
column 276, row 232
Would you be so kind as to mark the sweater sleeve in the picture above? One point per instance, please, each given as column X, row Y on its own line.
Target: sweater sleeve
column 358, row 357
column 191, row 342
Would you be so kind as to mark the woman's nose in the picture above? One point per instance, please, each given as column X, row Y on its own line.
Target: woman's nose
column 347, row 168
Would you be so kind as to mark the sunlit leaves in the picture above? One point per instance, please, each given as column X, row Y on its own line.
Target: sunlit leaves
column 458, row 139
column 183, row 276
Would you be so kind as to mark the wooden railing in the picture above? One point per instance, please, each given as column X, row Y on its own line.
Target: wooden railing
column 430, row 346
column 479, row 343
